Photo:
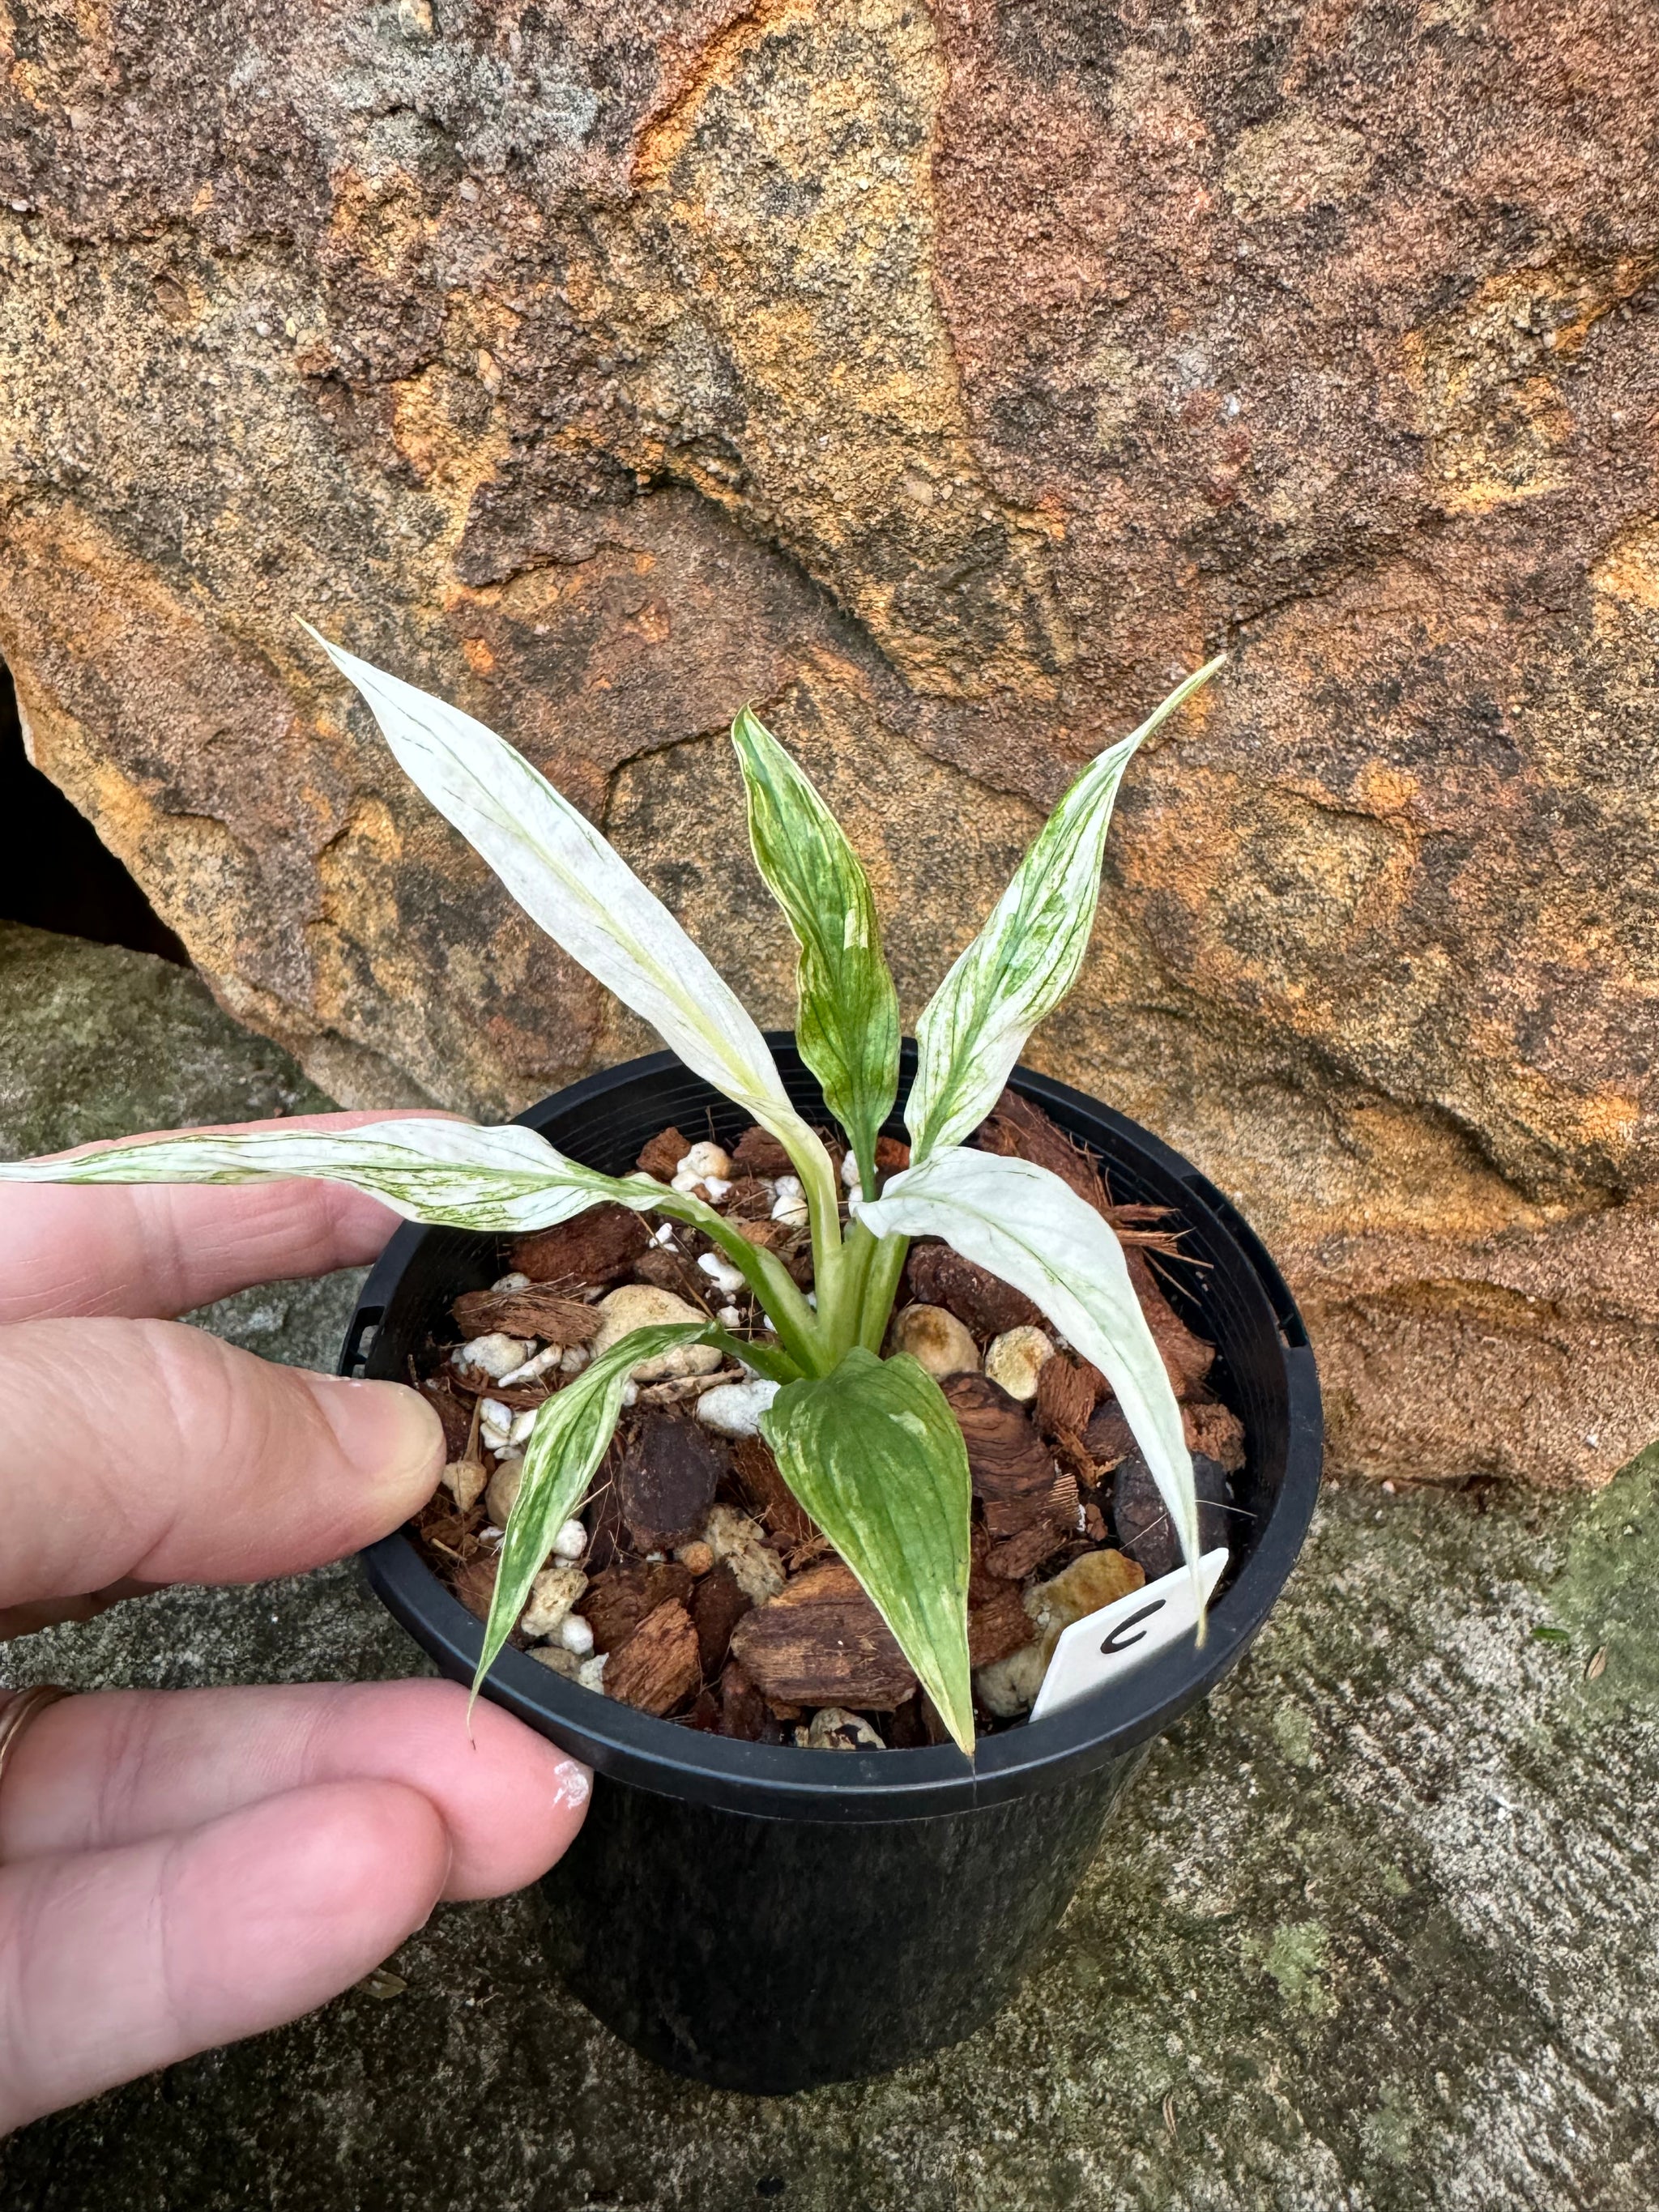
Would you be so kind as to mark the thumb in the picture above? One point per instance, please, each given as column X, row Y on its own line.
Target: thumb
column 145, row 1449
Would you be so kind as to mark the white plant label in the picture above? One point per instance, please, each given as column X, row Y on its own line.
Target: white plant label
column 1104, row 1645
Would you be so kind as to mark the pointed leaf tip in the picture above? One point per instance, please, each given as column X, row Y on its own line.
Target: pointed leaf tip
column 848, row 1025
column 1027, row 956
column 506, row 1180
column 569, row 1439
column 577, row 888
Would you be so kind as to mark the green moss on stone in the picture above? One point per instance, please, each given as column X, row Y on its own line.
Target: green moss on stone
column 1607, row 1593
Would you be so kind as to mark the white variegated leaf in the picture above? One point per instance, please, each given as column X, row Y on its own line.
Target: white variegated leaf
column 567, row 1444
column 506, row 1179
column 581, row 892
column 1027, row 956
column 1033, row 1230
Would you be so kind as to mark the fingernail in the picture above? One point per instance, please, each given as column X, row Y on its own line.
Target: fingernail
column 383, row 1428
column 574, row 1786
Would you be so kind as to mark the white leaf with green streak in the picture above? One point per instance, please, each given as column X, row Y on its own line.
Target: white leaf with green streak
column 506, row 1179
column 570, row 1439
column 1033, row 1230
column 581, row 892
column 1027, row 956
column 874, row 1454
column 847, row 1026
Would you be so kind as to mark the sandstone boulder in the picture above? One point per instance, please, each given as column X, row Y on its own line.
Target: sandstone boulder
column 944, row 381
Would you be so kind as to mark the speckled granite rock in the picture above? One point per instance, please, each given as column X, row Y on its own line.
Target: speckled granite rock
column 1374, row 1932
column 943, row 378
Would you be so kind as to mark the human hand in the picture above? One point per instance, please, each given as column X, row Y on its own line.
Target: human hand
column 179, row 1868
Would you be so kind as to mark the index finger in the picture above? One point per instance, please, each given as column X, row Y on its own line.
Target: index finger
column 154, row 1251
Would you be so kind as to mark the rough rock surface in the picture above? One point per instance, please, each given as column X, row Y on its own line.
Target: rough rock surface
column 1375, row 1929
column 95, row 1042
column 944, row 379
column 95, row 1037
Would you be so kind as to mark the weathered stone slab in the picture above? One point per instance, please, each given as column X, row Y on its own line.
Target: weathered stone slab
column 103, row 1042
column 942, row 380
column 96, row 1042
column 1376, row 1930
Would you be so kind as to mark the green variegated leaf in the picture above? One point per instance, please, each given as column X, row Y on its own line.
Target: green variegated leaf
column 506, row 1179
column 1033, row 1230
column 874, row 1454
column 587, row 899
column 847, row 1026
column 1027, row 956
column 567, row 1444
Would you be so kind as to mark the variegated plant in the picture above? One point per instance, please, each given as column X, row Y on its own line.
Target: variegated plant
column 868, row 1444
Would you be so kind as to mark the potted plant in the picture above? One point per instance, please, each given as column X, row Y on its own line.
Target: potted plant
column 766, row 1914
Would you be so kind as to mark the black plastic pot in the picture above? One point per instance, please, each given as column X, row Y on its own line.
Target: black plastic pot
column 768, row 1919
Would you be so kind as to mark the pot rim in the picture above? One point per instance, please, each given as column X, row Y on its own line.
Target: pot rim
column 783, row 1781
